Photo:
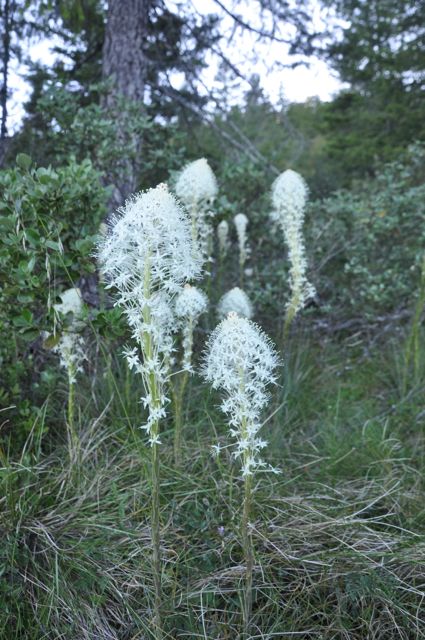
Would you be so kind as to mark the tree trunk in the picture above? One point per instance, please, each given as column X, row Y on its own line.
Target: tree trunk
column 124, row 68
column 5, row 74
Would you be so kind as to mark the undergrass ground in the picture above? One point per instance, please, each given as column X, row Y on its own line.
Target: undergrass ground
column 339, row 534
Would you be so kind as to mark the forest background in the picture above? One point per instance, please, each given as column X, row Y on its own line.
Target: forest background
column 106, row 120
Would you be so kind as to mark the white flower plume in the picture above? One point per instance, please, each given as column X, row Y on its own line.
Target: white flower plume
column 147, row 257
column 289, row 195
column 196, row 187
column 241, row 361
column 190, row 304
column 235, row 300
column 70, row 346
column 197, row 184
column 241, row 222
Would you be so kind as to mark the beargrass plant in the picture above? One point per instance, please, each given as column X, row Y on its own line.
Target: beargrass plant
column 196, row 188
column 190, row 304
column 241, row 222
column 147, row 257
column 223, row 238
column 241, row 361
column 289, row 195
column 70, row 347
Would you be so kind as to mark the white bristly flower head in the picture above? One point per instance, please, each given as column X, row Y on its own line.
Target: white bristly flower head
column 241, row 361
column 190, row 304
column 147, row 257
column 223, row 237
column 197, row 184
column 235, row 301
column 196, row 187
column 289, row 195
column 151, row 237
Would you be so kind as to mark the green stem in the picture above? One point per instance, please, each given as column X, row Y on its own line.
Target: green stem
column 156, row 538
column 248, row 553
column 246, row 532
column 178, row 416
column 289, row 316
column 73, row 443
column 153, row 387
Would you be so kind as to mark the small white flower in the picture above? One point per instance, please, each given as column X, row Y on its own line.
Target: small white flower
column 235, row 300
column 216, row 449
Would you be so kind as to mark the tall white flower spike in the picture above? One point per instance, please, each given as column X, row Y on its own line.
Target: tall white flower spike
column 223, row 237
column 190, row 304
column 147, row 257
column 241, row 222
column 196, row 188
column 289, row 195
column 70, row 346
column 241, row 361
column 235, row 300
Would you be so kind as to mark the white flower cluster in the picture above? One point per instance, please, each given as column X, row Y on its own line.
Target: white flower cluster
column 289, row 194
column 196, row 187
column 71, row 343
column 223, row 237
column 189, row 305
column 241, row 222
column 241, row 361
column 237, row 301
column 147, row 257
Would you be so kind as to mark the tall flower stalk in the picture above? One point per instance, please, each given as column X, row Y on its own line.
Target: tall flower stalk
column 289, row 194
column 241, row 222
column 70, row 348
column 196, row 188
column 146, row 257
column 241, row 361
column 189, row 306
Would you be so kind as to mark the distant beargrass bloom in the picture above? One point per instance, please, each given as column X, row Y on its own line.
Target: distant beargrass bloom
column 223, row 238
column 241, row 361
column 241, row 222
column 71, row 350
column 146, row 257
column 196, row 188
column 289, row 195
column 190, row 304
column 235, row 300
